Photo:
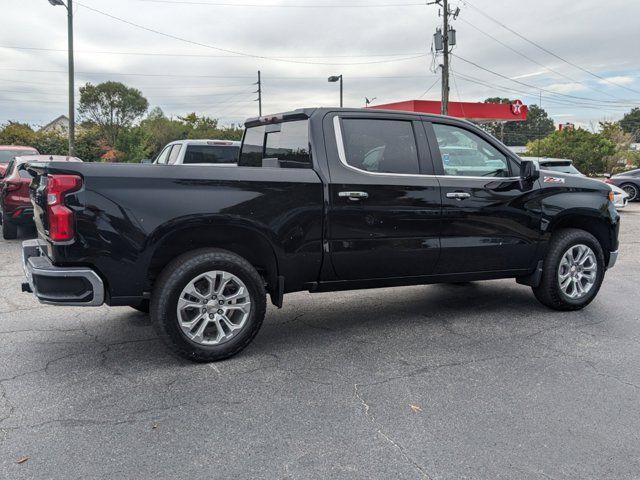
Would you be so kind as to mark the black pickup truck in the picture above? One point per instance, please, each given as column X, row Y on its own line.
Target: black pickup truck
column 321, row 200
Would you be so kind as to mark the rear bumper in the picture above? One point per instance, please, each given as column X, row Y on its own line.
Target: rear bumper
column 77, row 286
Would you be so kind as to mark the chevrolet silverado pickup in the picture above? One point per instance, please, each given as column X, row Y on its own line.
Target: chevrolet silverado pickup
column 321, row 200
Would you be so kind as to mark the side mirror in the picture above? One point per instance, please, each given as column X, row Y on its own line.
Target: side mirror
column 607, row 175
column 529, row 171
column 146, row 160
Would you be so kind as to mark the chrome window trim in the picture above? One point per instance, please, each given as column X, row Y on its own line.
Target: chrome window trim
column 343, row 159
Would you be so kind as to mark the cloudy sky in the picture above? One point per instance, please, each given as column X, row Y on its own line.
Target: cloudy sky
column 203, row 55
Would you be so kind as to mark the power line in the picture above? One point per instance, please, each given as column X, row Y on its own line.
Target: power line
column 428, row 89
column 294, row 5
column 466, row 2
column 171, row 75
column 196, row 55
column 551, row 92
column 557, row 101
column 236, row 52
column 518, row 52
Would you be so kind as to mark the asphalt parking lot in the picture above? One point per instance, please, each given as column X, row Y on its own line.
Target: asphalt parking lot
column 476, row 381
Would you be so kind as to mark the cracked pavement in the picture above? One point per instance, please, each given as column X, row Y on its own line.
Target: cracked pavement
column 506, row 388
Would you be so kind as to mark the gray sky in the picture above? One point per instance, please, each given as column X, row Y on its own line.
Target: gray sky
column 380, row 46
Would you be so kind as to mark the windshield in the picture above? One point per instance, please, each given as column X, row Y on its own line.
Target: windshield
column 7, row 155
column 562, row 168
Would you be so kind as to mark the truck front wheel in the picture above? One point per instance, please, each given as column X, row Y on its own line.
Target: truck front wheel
column 572, row 272
column 208, row 305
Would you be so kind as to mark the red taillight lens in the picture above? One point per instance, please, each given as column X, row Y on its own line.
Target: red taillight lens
column 608, row 180
column 60, row 217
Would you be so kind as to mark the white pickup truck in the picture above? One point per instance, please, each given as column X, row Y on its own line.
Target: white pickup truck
column 199, row 152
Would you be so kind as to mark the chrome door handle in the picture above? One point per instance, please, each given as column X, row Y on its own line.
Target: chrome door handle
column 355, row 196
column 458, row 195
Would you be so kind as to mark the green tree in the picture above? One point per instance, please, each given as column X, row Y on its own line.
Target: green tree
column 14, row 133
column 134, row 144
column 587, row 150
column 537, row 125
column 630, row 123
column 52, row 143
column 160, row 130
column 623, row 154
column 112, row 107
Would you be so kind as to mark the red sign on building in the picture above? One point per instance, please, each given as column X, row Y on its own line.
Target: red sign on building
column 478, row 112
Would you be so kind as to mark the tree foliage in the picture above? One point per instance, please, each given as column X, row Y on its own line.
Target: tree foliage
column 587, row 150
column 623, row 155
column 537, row 125
column 630, row 123
column 112, row 107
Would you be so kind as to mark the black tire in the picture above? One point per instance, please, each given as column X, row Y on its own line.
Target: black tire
column 176, row 276
column 143, row 307
column 549, row 292
column 9, row 229
column 631, row 190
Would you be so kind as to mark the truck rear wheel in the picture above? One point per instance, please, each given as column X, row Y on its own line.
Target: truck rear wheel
column 208, row 305
column 9, row 229
column 572, row 272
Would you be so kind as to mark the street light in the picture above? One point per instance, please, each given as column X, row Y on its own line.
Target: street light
column 72, row 109
column 335, row 78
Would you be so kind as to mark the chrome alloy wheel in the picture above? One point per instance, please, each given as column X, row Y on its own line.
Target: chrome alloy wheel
column 578, row 271
column 213, row 307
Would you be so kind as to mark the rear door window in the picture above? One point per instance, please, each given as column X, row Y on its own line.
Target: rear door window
column 381, row 146
column 211, row 154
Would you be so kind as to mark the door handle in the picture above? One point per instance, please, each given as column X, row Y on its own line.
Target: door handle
column 458, row 195
column 354, row 196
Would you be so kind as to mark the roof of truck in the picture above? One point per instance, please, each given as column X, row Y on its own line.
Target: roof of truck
column 302, row 113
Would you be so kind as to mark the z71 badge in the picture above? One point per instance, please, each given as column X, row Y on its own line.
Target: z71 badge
column 553, row 180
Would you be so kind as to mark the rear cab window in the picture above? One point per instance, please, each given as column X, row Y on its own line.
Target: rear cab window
column 279, row 145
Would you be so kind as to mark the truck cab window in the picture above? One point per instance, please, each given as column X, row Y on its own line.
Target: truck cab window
column 382, row 146
column 162, row 158
column 173, row 156
column 285, row 145
column 466, row 154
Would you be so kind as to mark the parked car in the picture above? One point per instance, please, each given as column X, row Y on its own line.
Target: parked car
column 199, row 152
column 627, row 181
column 309, row 207
column 564, row 165
column 9, row 152
column 15, row 203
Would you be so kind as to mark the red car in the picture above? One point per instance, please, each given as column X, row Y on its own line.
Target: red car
column 15, row 203
column 9, row 152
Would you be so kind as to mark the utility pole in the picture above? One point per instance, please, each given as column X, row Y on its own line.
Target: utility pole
column 259, row 92
column 72, row 108
column 445, row 62
column 443, row 40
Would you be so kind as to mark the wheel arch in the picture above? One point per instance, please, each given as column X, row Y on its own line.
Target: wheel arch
column 243, row 240
column 593, row 223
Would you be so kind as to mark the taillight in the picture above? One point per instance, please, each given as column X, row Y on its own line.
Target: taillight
column 609, row 181
column 60, row 217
